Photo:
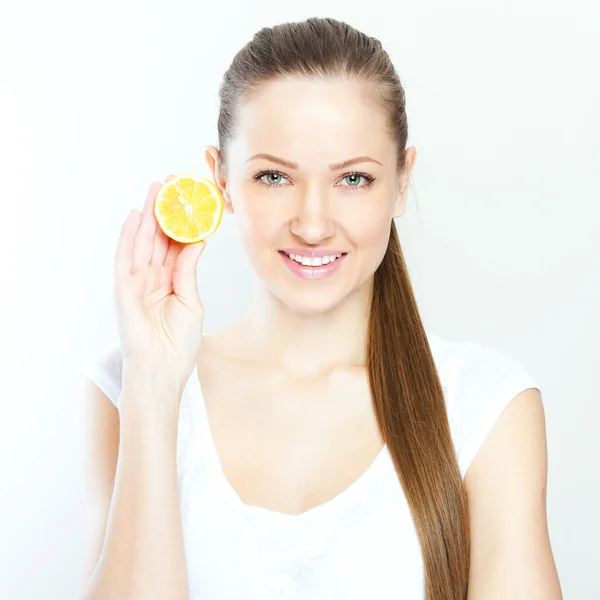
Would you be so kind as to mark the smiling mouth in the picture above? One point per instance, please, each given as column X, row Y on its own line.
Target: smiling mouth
column 307, row 261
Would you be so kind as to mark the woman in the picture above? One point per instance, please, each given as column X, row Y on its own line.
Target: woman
column 324, row 445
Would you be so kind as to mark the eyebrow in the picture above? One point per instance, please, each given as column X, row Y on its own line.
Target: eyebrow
column 332, row 167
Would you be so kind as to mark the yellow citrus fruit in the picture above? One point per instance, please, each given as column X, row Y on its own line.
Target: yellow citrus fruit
column 188, row 208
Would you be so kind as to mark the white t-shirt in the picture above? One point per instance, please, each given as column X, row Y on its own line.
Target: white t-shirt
column 360, row 544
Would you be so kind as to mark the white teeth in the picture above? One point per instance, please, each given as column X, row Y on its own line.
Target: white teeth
column 307, row 261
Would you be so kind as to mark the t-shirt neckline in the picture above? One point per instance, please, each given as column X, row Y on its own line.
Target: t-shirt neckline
column 214, row 470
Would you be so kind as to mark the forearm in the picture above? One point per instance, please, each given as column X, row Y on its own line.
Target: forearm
column 143, row 553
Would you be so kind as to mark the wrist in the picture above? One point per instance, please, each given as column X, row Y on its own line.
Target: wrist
column 150, row 379
column 146, row 425
column 147, row 396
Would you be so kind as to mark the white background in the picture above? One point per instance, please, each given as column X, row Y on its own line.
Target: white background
column 502, row 235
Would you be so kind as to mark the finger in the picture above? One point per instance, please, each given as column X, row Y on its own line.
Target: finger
column 161, row 246
column 124, row 251
column 143, row 246
column 185, row 278
column 172, row 253
column 151, row 197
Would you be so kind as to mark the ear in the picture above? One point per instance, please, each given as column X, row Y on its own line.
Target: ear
column 403, row 181
column 213, row 160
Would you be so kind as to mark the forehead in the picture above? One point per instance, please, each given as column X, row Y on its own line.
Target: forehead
column 312, row 121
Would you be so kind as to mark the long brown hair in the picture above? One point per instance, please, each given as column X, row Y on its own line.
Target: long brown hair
column 407, row 395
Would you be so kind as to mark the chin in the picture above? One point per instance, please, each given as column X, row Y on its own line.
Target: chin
column 310, row 300
column 311, row 303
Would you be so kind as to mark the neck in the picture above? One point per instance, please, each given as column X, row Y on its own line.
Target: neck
column 309, row 344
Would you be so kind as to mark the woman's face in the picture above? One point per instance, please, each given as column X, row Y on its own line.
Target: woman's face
column 285, row 182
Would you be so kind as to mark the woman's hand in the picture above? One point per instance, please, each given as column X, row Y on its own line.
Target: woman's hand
column 160, row 315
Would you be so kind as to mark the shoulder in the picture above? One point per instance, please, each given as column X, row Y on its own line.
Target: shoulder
column 479, row 383
column 105, row 369
column 511, row 555
column 497, row 422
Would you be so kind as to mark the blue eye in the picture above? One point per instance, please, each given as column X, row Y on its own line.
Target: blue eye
column 273, row 178
column 354, row 179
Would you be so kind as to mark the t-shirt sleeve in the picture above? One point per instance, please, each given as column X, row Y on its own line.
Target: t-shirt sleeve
column 105, row 369
column 482, row 386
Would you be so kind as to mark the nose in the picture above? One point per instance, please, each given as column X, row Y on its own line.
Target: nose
column 313, row 220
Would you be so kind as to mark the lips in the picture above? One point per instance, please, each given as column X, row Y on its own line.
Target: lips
column 313, row 272
column 314, row 262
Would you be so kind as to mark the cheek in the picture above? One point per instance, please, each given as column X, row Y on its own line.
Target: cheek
column 370, row 230
column 257, row 221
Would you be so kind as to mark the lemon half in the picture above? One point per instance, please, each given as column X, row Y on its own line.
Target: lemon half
column 188, row 208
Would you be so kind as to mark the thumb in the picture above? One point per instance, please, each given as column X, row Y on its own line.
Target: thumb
column 185, row 270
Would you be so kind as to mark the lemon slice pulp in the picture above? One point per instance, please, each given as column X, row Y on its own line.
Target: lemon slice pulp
column 188, row 208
